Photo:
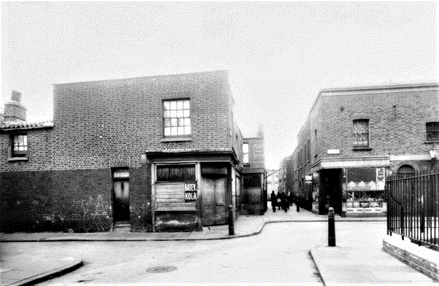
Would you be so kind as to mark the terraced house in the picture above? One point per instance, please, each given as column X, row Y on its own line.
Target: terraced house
column 354, row 137
column 158, row 153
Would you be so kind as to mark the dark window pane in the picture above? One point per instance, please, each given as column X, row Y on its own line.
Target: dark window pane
column 432, row 131
column 175, row 173
column 252, row 181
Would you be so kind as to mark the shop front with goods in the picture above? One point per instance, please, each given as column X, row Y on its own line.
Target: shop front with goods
column 364, row 191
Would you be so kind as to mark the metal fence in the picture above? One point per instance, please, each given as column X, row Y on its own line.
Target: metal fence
column 413, row 207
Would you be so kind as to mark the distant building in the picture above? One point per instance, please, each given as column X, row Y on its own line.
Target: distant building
column 354, row 137
column 158, row 153
column 272, row 181
column 285, row 176
column 254, row 195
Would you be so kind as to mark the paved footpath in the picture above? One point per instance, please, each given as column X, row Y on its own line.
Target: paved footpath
column 337, row 265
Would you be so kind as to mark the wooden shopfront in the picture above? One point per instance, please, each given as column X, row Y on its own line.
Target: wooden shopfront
column 187, row 195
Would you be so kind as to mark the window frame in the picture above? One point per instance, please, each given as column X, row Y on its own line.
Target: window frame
column 355, row 141
column 177, row 119
column 244, row 157
column 19, row 153
column 434, row 129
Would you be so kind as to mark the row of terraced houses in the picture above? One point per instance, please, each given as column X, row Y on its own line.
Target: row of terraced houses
column 160, row 153
column 353, row 138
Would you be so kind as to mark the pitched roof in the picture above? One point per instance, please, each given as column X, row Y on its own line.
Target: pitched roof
column 10, row 126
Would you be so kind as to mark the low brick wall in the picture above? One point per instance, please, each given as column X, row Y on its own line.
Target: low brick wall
column 420, row 258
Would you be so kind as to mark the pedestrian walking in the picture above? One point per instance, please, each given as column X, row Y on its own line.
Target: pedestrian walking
column 290, row 198
column 279, row 200
column 284, row 202
column 273, row 201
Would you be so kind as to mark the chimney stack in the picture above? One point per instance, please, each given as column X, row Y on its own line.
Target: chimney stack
column 14, row 110
column 16, row 96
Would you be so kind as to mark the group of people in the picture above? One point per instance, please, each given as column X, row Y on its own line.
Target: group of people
column 281, row 201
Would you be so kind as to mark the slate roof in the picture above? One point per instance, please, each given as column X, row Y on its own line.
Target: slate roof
column 10, row 126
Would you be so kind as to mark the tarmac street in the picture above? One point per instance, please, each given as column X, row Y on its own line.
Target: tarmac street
column 289, row 248
column 279, row 254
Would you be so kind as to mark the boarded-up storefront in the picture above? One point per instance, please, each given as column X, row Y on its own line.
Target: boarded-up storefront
column 189, row 192
column 175, row 198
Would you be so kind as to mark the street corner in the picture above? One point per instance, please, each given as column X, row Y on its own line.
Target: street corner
column 22, row 270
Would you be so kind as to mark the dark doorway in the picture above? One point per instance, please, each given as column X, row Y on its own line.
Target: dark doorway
column 121, row 196
column 331, row 186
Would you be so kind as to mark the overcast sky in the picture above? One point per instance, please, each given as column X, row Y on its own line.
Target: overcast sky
column 279, row 54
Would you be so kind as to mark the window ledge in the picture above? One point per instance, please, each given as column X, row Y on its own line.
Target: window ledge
column 18, row 159
column 431, row 142
column 361, row 148
column 176, row 139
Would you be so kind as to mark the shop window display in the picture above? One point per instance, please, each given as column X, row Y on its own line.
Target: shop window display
column 365, row 189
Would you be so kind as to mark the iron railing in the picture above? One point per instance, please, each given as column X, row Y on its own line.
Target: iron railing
column 413, row 207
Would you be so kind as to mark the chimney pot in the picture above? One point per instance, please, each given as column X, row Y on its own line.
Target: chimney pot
column 16, row 96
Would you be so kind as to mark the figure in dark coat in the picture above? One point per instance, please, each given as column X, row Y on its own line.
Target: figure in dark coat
column 273, row 201
column 284, row 202
column 291, row 198
column 279, row 200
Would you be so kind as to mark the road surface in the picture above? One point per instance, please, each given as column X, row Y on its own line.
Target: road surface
column 280, row 254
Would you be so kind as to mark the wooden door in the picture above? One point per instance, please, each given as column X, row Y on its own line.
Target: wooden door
column 121, row 201
column 214, row 196
column 220, row 198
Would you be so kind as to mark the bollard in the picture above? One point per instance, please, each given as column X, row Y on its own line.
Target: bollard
column 331, row 227
column 297, row 207
column 231, row 221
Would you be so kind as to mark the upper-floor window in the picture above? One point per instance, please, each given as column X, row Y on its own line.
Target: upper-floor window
column 432, row 131
column 245, row 153
column 176, row 117
column 361, row 133
column 19, row 145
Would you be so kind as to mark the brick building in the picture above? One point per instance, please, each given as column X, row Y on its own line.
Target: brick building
column 149, row 154
column 354, row 137
column 285, row 176
column 254, row 193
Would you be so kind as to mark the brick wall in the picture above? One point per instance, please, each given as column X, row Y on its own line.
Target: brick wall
column 101, row 125
column 396, row 121
column 397, row 118
column 421, row 264
column 39, row 151
column 56, row 200
column 256, row 153
column 111, row 123
column 140, row 198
